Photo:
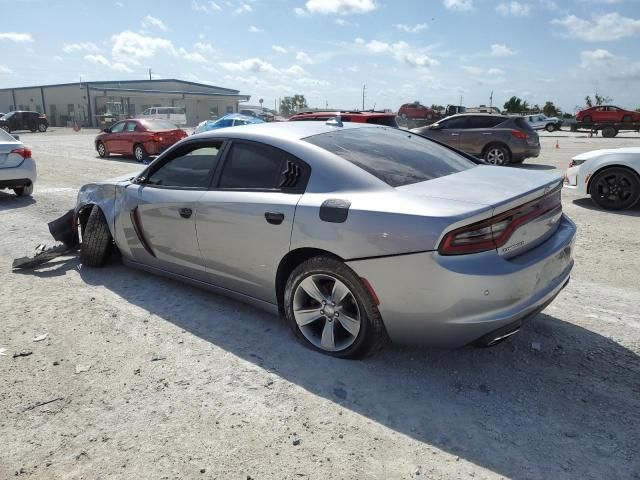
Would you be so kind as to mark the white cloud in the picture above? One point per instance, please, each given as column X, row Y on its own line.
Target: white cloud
column 204, row 47
column 514, row 9
column 192, row 56
column 278, row 48
column 254, row 65
column 150, row 21
column 603, row 64
column 460, row 5
column 286, row 78
column 205, row 7
column 409, row 29
column 337, row 7
column 400, row 51
column 595, row 57
column 501, row 50
column 254, row 29
column 303, row 57
column 482, row 71
column 243, row 8
column 610, row 26
column 130, row 47
column 5, row 70
column 80, row 47
column 16, row 37
column 98, row 59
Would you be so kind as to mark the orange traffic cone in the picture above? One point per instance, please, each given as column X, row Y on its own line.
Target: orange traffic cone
column 557, row 144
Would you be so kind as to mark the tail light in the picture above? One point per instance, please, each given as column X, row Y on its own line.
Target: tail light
column 43, row 116
column 496, row 231
column 156, row 137
column 519, row 134
column 24, row 152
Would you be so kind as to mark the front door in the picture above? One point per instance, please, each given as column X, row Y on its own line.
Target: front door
column 113, row 141
column 244, row 224
column 449, row 131
column 159, row 215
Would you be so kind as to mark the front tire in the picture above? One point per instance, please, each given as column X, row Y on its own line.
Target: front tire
column 330, row 310
column 497, row 155
column 139, row 153
column 96, row 240
column 25, row 191
column 102, row 150
column 615, row 188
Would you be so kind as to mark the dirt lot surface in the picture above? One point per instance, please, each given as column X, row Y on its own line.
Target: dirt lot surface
column 149, row 378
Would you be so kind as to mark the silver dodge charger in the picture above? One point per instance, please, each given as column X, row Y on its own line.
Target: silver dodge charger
column 354, row 233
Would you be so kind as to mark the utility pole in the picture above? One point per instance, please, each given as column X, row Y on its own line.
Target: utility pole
column 364, row 88
column 460, row 100
column 149, row 74
column 491, row 102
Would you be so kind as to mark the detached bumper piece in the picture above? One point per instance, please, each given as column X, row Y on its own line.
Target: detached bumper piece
column 63, row 230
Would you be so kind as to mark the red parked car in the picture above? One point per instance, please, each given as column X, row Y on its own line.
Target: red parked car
column 140, row 138
column 377, row 117
column 607, row 113
column 416, row 111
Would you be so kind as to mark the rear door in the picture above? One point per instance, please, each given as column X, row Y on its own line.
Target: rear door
column 159, row 214
column 449, row 130
column 113, row 141
column 244, row 224
column 479, row 133
column 128, row 137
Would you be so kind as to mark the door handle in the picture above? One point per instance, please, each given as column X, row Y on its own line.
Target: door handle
column 185, row 212
column 487, row 133
column 274, row 218
column 454, row 134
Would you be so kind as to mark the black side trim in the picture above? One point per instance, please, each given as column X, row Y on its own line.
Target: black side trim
column 334, row 210
column 64, row 229
column 388, row 256
column 18, row 182
column 135, row 220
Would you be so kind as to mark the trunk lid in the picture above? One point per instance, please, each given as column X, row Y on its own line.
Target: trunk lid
column 507, row 191
column 5, row 148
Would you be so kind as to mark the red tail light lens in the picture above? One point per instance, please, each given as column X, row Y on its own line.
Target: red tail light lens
column 42, row 115
column 157, row 138
column 23, row 152
column 496, row 231
column 519, row 134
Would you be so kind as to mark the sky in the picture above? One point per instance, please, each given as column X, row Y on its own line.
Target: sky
column 434, row 51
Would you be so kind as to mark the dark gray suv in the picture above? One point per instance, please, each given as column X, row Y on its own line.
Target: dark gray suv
column 498, row 139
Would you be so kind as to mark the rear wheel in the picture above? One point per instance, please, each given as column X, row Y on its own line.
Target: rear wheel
column 102, row 150
column 497, row 155
column 42, row 127
column 96, row 240
column 330, row 310
column 550, row 127
column 139, row 153
column 615, row 188
column 24, row 191
column 609, row 132
column 6, row 128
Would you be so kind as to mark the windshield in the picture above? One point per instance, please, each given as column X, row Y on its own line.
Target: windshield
column 396, row 157
column 158, row 125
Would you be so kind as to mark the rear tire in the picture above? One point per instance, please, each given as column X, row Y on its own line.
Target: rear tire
column 609, row 132
column 497, row 155
column 96, row 240
column 355, row 310
column 615, row 188
column 6, row 128
column 550, row 127
column 42, row 127
column 24, row 191
column 139, row 153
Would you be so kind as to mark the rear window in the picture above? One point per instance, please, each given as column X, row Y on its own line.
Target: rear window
column 388, row 121
column 158, row 125
column 482, row 121
column 394, row 156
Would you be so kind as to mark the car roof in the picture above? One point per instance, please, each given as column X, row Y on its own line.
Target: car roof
column 288, row 130
column 336, row 113
column 236, row 115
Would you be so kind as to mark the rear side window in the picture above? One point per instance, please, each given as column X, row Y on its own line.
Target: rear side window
column 394, row 156
column 522, row 124
column 155, row 125
column 253, row 166
column 485, row 121
column 455, row 122
column 388, row 121
column 189, row 168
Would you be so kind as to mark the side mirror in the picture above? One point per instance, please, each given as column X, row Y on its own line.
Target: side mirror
column 107, row 130
column 435, row 126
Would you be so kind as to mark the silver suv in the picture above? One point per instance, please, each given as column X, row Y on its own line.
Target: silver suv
column 498, row 139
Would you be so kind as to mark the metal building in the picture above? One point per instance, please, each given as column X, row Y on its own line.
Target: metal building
column 87, row 102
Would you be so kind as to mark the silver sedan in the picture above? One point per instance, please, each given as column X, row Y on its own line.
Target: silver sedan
column 354, row 233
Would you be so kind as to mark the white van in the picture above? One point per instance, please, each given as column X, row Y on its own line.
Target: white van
column 176, row 115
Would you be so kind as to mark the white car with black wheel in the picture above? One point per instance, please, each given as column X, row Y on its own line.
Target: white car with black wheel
column 17, row 168
column 611, row 177
column 540, row 122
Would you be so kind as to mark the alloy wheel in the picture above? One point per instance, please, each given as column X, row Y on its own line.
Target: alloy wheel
column 101, row 149
column 326, row 312
column 496, row 156
column 614, row 190
column 139, row 153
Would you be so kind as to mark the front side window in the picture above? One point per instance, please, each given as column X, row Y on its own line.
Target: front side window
column 190, row 167
column 394, row 156
column 254, row 166
column 118, row 127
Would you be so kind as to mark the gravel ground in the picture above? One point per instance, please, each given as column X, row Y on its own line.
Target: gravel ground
column 148, row 378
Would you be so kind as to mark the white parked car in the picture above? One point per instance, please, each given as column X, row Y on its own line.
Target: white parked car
column 611, row 177
column 175, row 115
column 17, row 168
column 539, row 122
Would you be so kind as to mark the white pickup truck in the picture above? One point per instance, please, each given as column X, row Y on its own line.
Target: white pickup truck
column 540, row 121
column 175, row 115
